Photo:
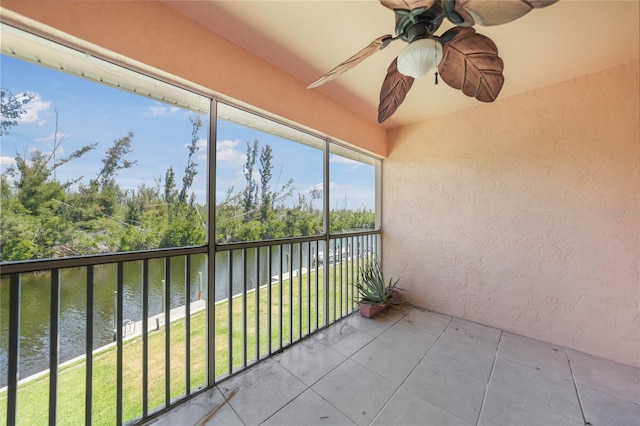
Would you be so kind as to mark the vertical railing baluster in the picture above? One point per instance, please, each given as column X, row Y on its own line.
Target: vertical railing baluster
column 167, row 331
column 88, row 349
column 230, row 313
column 257, row 319
column 309, row 287
column 118, row 326
column 280, row 304
column 353, row 277
column 290, row 268
column 244, row 308
column 54, row 345
column 14, row 347
column 317, row 267
column 346, row 273
column 335, row 267
column 210, row 325
column 360, row 253
column 340, row 277
column 187, row 323
column 370, row 244
column 325, row 283
column 299, row 290
column 367, row 252
column 367, row 242
column 269, row 301
column 145, row 338
column 349, row 278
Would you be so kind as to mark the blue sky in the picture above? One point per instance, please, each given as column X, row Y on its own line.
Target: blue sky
column 89, row 112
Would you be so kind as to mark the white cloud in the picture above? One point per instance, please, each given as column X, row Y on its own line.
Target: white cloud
column 227, row 155
column 7, row 161
column 227, row 144
column 344, row 160
column 10, row 179
column 33, row 110
column 202, row 144
column 159, row 110
column 314, row 192
column 54, row 136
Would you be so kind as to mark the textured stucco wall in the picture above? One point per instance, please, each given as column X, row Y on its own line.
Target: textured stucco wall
column 525, row 214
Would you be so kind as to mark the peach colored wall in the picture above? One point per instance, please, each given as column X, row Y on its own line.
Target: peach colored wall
column 525, row 214
column 156, row 35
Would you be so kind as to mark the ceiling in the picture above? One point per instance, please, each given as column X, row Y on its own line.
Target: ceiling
column 307, row 38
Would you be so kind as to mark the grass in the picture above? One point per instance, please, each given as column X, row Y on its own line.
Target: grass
column 292, row 298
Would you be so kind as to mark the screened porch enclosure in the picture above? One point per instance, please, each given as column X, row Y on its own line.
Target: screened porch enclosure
column 205, row 239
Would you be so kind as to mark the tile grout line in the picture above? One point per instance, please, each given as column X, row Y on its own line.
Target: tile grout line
column 575, row 387
column 394, row 392
column 226, row 401
column 413, row 369
column 486, row 389
column 309, row 387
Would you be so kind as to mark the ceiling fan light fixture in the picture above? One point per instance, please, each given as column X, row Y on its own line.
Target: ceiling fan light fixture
column 419, row 57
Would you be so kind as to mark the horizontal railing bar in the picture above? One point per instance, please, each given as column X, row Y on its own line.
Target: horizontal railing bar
column 353, row 234
column 265, row 243
column 293, row 240
column 34, row 265
column 97, row 259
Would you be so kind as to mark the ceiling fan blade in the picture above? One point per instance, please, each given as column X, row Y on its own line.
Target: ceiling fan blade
column 495, row 12
column 470, row 62
column 372, row 48
column 394, row 89
column 407, row 4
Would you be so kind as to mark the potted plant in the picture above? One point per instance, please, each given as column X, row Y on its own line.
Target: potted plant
column 375, row 293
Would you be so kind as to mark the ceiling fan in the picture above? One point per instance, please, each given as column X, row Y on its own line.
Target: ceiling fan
column 464, row 59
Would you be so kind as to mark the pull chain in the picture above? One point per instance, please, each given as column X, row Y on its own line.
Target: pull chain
column 436, row 67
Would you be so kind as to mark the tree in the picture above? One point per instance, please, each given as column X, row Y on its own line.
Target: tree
column 190, row 171
column 250, row 191
column 12, row 108
column 34, row 192
column 265, row 180
column 113, row 161
column 170, row 191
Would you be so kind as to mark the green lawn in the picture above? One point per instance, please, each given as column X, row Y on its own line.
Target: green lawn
column 296, row 294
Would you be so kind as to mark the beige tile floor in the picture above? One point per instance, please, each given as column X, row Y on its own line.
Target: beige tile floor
column 412, row 367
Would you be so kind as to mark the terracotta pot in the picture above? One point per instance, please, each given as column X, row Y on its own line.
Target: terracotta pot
column 369, row 310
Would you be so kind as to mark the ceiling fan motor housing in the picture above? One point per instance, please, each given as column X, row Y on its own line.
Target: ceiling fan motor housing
column 418, row 23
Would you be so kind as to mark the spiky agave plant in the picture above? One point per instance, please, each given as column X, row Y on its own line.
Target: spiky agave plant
column 372, row 287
